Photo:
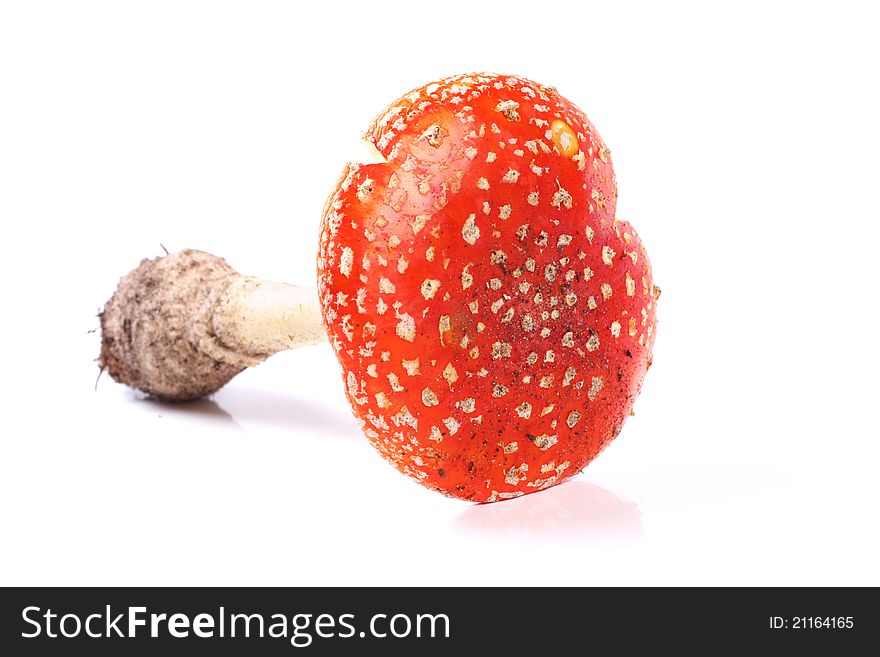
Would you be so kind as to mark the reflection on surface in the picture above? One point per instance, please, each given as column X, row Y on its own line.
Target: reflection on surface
column 573, row 510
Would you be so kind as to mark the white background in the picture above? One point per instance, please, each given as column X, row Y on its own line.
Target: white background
column 746, row 148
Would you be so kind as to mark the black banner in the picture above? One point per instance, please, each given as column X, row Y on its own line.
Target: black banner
column 432, row 621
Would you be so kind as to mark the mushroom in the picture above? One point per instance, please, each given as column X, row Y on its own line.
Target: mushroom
column 493, row 318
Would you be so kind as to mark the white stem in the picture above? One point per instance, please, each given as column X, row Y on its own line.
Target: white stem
column 259, row 318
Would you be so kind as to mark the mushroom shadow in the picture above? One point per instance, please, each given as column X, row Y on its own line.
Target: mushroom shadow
column 279, row 410
column 574, row 511
column 206, row 409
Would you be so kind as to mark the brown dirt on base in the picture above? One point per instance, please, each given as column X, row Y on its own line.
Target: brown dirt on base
column 156, row 329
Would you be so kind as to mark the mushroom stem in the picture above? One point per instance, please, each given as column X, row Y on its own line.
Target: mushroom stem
column 179, row 327
column 260, row 318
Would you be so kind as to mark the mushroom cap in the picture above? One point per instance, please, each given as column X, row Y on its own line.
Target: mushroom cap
column 493, row 319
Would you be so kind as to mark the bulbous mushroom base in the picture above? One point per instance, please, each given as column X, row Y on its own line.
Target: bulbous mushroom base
column 181, row 326
column 156, row 331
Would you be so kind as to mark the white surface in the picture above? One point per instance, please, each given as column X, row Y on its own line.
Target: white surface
column 745, row 144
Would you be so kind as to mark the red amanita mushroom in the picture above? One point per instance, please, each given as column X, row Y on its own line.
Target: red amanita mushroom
column 493, row 318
